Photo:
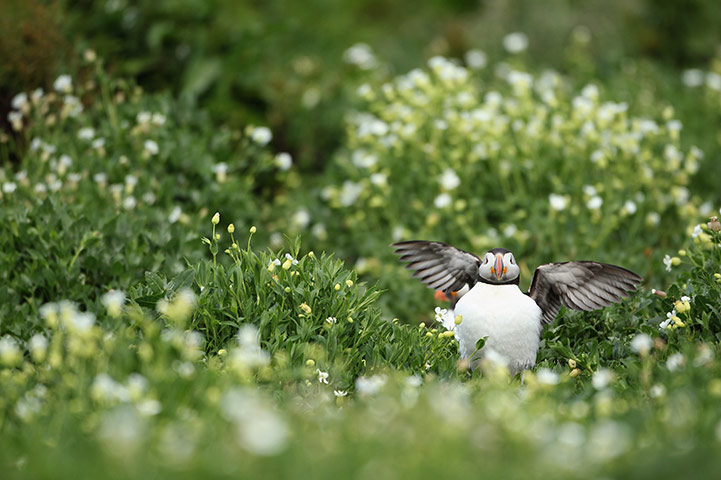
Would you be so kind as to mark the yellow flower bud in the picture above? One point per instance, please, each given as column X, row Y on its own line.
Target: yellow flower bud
column 682, row 307
column 448, row 334
column 304, row 306
column 350, row 319
column 337, row 287
column 571, row 363
column 459, row 319
column 714, row 387
column 422, row 325
column 235, row 246
column 429, row 334
column 216, row 218
column 682, row 253
column 253, row 229
column 575, row 372
column 310, row 362
column 349, row 282
column 675, row 261
column 287, row 264
column 231, row 228
column 222, row 353
column 311, row 254
column 286, row 289
column 271, row 266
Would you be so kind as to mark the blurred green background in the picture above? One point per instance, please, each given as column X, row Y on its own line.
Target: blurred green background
column 281, row 63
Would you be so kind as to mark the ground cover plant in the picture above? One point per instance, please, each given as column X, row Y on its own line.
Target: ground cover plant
column 180, row 300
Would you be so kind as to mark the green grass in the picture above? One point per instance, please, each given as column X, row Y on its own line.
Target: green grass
column 144, row 335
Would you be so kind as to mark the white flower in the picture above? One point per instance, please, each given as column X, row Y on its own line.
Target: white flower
column 669, row 320
column 657, row 391
column 322, row 376
column 340, row 393
column 260, row 430
column 38, row 346
column 149, row 407
column 601, row 378
column 442, row 201
column 10, row 354
column 674, row 125
column 9, row 187
column 696, row 232
column 449, row 180
column 630, row 207
column 174, row 214
column 20, row 101
column 301, row 218
column 363, row 159
column 151, row 147
column 515, row 42
column 143, row 118
column 283, row 161
column 16, row 120
column 520, row 81
column 86, row 133
column 129, row 203
column 589, row 190
column 558, row 202
column 37, row 95
column 675, row 362
column 114, row 301
column 248, row 354
column 288, row 256
column 594, row 203
column 261, row 135
column 63, row 84
column 158, row 119
column 349, row 193
column 641, row 344
column 693, row 77
column 370, row 385
column 331, row 320
column 121, row 431
column 360, row 55
column 667, row 262
column 546, row 376
column 72, row 105
column 440, row 313
column 713, row 81
column 221, row 171
column 510, row 230
column 476, row 59
column 379, row 179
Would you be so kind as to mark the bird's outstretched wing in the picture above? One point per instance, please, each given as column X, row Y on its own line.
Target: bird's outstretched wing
column 439, row 265
column 579, row 285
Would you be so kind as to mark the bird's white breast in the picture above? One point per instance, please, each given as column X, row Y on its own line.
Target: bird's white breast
column 510, row 320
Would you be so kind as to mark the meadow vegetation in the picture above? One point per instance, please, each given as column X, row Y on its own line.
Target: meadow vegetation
column 185, row 294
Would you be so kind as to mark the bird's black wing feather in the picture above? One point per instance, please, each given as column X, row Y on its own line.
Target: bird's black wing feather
column 439, row 265
column 579, row 285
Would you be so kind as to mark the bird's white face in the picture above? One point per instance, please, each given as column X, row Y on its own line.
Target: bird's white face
column 499, row 267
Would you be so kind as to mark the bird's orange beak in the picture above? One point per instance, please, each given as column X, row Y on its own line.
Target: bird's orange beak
column 499, row 270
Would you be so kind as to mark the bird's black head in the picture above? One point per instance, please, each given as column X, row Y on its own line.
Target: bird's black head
column 499, row 267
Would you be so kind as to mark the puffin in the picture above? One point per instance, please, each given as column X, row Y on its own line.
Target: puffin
column 484, row 292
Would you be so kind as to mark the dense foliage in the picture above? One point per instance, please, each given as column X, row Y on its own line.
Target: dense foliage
column 180, row 298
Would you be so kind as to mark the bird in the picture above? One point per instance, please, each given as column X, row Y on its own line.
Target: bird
column 484, row 292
